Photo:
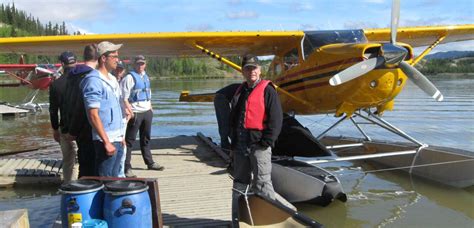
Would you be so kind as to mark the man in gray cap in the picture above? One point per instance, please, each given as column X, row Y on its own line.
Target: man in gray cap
column 101, row 94
column 137, row 97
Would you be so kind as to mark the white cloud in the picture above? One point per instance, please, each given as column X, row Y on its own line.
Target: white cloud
column 301, row 6
column 375, row 1
column 71, row 28
column 424, row 21
column 234, row 2
column 199, row 27
column 242, row 15
column 359, row 25
column 58, row 11
column 309, row 27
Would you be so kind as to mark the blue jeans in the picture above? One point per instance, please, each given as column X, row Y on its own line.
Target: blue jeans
column 108, row 166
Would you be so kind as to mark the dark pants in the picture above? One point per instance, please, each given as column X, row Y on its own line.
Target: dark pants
column 86, row 158
column 140, row 122
column 254, row 168
column 222, row 108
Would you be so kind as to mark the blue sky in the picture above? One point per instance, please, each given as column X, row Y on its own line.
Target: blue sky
column 131, row 16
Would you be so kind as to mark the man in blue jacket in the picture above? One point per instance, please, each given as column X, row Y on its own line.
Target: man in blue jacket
column 101, row 93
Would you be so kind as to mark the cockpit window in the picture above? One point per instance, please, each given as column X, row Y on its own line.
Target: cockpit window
column 316, row 39
column 291, row 59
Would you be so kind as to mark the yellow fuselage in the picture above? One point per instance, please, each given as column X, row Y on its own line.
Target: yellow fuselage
column 309, row 82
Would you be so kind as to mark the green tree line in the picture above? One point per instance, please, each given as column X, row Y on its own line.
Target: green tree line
column 16, row 23
column 440, row 66
column 21, row 20
column 189, row 67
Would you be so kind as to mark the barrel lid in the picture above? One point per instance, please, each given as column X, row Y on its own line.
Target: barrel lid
column 120, row 186
column 81, row 185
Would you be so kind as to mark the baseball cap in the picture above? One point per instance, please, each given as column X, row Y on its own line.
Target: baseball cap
column 120, row 65
column 139, row 59
column 250, row 60
column 67, row 58
column 106, row 46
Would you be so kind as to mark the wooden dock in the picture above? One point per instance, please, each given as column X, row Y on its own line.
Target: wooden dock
column 195, row 189
column 7, row 111
column 30, row 171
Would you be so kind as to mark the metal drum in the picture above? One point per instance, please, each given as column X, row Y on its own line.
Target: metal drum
column 81, row 200
column 127, row 204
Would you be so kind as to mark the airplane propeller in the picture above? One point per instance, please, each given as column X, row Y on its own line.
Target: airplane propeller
column 55, row 73
column 356, row 70
column 421, row 81
column 43, row 70
column 391, row 55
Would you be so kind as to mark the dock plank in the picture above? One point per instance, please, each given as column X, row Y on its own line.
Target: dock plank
column 20, row 167
column 3, row 162
column 23, row 171
column 57, row 166
column 5, row 165
column 11, row 166
column 32, row 168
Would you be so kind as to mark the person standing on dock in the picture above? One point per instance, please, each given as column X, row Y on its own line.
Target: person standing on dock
column 59, row 123
column 101, row 93
column 79, row 128
column 137, row 97
column 119, row 73
column 222, row 108
column 256, row 120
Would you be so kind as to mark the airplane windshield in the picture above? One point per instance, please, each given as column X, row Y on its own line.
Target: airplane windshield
column 316, row 39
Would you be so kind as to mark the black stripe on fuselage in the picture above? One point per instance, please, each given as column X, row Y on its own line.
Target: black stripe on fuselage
column 309, row 78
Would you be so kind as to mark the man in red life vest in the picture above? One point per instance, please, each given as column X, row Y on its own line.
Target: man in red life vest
column 256, row 121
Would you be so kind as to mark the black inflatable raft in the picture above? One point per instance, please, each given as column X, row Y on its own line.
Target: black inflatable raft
column 300, row 182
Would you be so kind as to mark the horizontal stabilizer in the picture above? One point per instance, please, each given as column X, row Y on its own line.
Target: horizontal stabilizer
column 203, row 97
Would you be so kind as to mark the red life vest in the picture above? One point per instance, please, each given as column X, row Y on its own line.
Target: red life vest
column 255, row 107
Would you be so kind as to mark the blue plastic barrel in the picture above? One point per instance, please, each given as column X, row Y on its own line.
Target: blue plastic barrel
column 81, row 200
column 127, row 204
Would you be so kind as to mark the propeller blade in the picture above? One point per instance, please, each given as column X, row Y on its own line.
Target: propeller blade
column 356, row 70
column 394, row 21
column 43, row 70
column 421, row 81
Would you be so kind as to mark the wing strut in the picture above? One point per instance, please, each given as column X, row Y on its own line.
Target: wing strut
column 219, row 58
column 427, row 50
column 185, row 96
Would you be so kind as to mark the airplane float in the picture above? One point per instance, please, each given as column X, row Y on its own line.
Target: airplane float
column 352, row 73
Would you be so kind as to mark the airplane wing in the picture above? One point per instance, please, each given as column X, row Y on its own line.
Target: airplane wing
column 423, row 36
column 17, row 67
column 181, row 44
column 157, row 44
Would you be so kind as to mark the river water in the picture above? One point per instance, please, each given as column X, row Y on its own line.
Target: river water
column 381, row 199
